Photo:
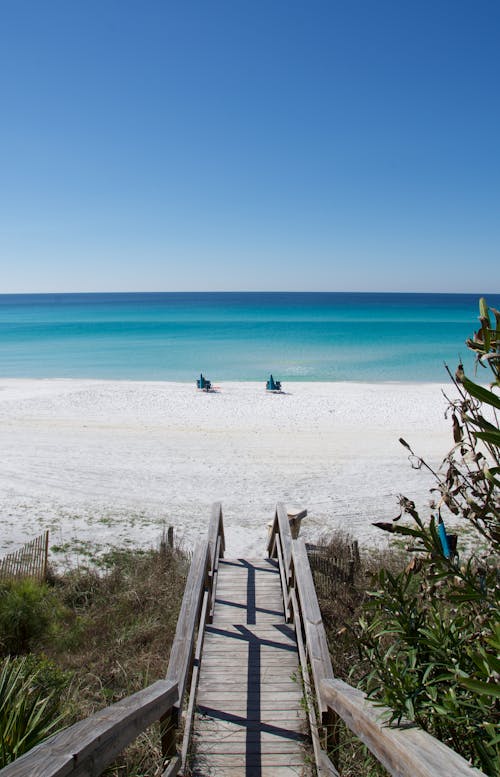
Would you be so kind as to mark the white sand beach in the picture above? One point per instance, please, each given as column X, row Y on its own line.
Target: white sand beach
column 111, row 463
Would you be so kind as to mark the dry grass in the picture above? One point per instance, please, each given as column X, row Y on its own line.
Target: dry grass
column 115, row 637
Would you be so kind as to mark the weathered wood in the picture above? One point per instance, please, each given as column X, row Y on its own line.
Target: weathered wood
column 324, row 766
column 173, row 767
column 277, row 716
column 213, row 768
column 216, row 530
column 182, row 648
column 285, row 535
column 235, row 760
column 283, row 577
column 248, row 701
column 273, row 531
column 87, row 747
column 295, row 518
column 317, row 645
column 181, row 654
column 28, row 561
column 240, row 705
column 404, row 752
column 218, row 728
column 228, row 746
column 194, row 682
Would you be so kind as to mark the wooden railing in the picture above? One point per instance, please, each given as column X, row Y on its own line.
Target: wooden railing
column 184, row 666
column 28, row 561
column 89, row 746
column 405, row 751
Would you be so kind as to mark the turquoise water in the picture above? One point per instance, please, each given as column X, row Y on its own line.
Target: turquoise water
column 237, row 336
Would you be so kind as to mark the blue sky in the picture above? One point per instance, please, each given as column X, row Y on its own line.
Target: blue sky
column 157, row 146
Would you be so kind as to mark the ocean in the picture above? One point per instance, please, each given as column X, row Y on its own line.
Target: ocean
column 239, row 336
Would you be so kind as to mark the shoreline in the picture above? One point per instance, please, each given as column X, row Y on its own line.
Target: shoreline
column 105, row 463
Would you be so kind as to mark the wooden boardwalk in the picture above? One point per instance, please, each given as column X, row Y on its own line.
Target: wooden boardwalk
column 250, row 719
column 248, row 636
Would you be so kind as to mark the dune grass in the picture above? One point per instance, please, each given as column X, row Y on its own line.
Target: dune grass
column 95, row 634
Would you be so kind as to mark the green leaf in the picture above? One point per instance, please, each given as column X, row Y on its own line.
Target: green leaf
column 479, row 392
column 493, row 437
column 481, row 422
column 486, row 689
column 407, row 531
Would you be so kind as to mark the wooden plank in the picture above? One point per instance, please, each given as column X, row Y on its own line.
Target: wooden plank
column 173, row 768
column 242, row 707
column 229, row 616
column 404, row 752
column 222, row 728
column 253, row 688
column 266, row 671
column 268, row 665
column 271, row 543
column 324, row 766
column 228, row 746
column 87, row 747
column 235, row 700
column 212, row 768
column 279, row 631
column 249, row 735
column 277, row 716
column 182, row 648
column 188, row 721
column 227, row 760
column 266, row 645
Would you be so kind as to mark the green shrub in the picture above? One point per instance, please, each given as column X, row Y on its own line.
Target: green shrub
column 26, row 614
column 431, row 633
column 30, row 691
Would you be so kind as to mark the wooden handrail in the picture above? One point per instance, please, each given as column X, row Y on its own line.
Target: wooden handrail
column 405, row 751
column 312, row 622
column 196, row 609
column 91, row 744
column 216, row 532
column 87, row 747
column 187, row 623
column 281, row 528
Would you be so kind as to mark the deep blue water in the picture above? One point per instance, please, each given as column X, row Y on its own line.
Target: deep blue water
column 237, row 336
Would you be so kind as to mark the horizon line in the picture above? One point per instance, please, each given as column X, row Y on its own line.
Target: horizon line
column 243, row 291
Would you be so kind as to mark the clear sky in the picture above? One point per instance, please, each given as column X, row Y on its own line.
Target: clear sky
column 157, row 145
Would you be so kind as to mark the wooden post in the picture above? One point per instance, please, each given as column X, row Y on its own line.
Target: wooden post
column 350, row 574
column 46, row 556
column 169, row 725
column 295, row 518
column 331, row 735
column 170, row 536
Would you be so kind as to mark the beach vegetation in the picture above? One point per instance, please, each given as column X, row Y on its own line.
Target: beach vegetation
column 27, row 611
column 100, row 633
column 30, row 710
column 429, row 634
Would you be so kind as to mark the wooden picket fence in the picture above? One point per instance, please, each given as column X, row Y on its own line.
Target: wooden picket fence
column 328, row 569
column 28, row 561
